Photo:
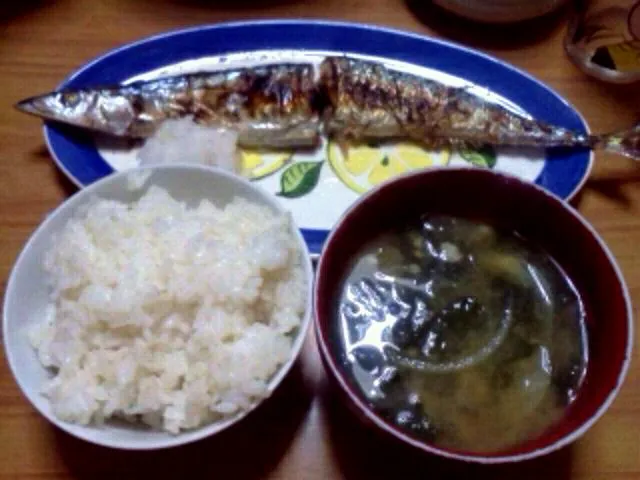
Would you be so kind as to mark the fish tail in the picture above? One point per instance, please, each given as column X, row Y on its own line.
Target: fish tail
column 624, row 142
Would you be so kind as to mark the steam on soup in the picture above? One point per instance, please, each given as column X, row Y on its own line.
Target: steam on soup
column 462, row 335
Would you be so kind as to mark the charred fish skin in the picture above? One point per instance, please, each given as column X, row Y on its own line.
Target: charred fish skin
column 362, row 100
column 290, row 105
column 371, row 101
column 268, row 106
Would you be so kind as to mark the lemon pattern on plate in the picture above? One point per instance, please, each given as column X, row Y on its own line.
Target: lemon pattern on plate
column 366, row 166
column 257, row 164
column 357, row 167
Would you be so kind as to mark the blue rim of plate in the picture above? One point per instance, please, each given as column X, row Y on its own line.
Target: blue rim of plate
column 74, row 152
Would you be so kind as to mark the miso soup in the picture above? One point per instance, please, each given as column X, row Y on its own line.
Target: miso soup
column 461, row 334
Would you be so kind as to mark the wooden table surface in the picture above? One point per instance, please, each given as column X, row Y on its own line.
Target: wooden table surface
column 301, row 433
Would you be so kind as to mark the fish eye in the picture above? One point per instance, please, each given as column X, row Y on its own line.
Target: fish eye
column 70, row 99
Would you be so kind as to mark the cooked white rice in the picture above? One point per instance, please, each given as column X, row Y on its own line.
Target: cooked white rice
column 176, row 316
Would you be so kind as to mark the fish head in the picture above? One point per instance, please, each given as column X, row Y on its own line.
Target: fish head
column 99, row 110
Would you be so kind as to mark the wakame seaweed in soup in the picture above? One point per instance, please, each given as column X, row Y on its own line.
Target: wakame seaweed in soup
column 461, row 334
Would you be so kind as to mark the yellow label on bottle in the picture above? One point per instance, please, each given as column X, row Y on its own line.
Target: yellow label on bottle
column 625, row 56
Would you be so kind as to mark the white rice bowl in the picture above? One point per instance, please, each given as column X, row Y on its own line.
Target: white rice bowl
column 178, row 311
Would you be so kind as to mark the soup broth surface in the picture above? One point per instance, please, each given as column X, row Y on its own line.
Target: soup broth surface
column 462, row 335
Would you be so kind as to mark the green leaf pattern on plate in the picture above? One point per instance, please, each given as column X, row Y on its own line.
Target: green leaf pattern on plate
column 483, row 157
column 299, row 179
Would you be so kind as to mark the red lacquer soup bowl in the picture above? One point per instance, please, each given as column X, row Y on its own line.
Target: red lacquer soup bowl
column 505, row 202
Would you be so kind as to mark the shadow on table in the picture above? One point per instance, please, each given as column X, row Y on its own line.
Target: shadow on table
column 364, row 453
column 613, row 184
column 67, row 185
column 41, row 154
column 491, row 36
column 12, row 9
column 248, row 450
column 624, row 95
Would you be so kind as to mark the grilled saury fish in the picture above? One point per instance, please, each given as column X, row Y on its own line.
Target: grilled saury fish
column 292, row 105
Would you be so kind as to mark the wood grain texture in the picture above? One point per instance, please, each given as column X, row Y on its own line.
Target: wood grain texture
column 301, row 433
